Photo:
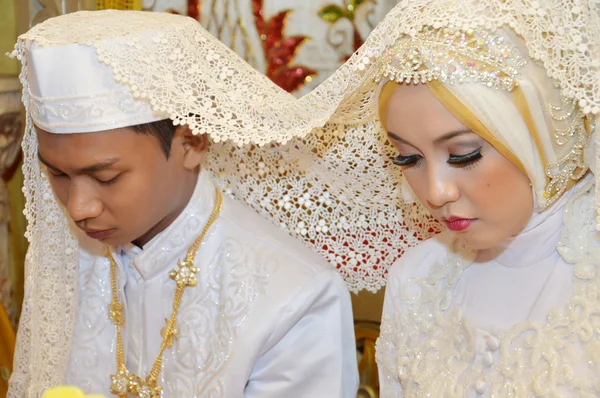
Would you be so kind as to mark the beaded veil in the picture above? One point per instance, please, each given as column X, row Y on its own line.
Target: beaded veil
column 332, row 184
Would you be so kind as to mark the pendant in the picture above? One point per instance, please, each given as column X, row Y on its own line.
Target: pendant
column 124, row 382
column 141, row 388
column 184, row 274
column 119, row 383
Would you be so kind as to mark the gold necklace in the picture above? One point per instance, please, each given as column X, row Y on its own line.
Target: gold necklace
column 123, row 381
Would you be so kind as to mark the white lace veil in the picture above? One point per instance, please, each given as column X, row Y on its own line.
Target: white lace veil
column 332, row 184
column 168, row 65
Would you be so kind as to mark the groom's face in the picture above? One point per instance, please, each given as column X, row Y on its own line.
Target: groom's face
column 118, row 185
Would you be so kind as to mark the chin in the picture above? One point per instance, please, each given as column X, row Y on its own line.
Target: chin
column 477, row 242
column 113, row 241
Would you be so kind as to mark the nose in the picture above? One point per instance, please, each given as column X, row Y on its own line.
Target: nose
column 83, row 203
column 441, row 189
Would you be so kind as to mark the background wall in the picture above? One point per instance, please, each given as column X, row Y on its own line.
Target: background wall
column 8, row 35
column 296, row 43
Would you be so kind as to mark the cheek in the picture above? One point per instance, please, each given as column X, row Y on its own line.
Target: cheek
column 417, row 179
column 131, row 196
column 145, row 194
column 499, row 189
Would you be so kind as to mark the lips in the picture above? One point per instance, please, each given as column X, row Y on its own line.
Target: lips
column 458, row 224
column 99, row 234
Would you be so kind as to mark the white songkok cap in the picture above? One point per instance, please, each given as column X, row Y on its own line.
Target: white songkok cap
column 71, row 91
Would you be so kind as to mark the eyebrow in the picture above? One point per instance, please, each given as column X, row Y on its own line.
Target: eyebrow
column 84, row 170
column 437, row 141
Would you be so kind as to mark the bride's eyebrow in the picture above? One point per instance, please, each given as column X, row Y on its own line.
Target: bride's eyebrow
column 450, row 135
column 439, row 140
column 396, row 138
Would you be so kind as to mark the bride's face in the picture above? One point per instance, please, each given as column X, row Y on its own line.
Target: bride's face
column 462, row 179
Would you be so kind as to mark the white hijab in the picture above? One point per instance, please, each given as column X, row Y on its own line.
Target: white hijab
column 537, row 150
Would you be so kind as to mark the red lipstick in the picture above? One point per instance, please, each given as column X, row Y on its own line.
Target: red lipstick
column 457, row 224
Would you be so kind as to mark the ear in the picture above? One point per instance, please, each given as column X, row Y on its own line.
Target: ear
column 194, row 147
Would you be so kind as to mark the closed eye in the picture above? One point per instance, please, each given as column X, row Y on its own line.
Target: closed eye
column 464, row 160
column 56, row 173
column 109, row 182
column 406, row 161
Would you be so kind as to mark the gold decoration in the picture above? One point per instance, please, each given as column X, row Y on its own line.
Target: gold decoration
column 115, row 313
column 123, row 381
column 453, row 56
column 572, row 167
column 184, row 274
column 170, row 333
column 119, row 4
column 119, row 382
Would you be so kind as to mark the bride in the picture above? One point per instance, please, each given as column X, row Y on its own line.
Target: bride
column 490, row 110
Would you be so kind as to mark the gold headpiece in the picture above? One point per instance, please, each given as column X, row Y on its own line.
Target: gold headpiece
column 451, row 55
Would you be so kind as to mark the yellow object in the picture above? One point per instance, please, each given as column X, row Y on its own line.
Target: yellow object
column 119, row 4
column 8, row 36
column 7, row 347
column 67, row 392
column 18, row 243
column 123, row 381
column 366, row 334
column 384, row 98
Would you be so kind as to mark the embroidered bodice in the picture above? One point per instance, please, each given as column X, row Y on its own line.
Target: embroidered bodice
column 524, row 324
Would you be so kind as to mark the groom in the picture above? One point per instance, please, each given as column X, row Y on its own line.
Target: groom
column 182, row 291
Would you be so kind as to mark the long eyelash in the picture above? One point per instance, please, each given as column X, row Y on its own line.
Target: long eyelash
column 467, row 160
column 406, row 161
column 415, row 164
column 468, row 165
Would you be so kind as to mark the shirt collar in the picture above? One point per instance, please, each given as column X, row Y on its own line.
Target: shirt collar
column 170, row 245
